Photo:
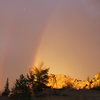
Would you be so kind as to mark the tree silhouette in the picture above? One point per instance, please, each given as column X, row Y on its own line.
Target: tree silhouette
column 38, row 77
column 30, row 80
column 21, row 89
column 6, row 90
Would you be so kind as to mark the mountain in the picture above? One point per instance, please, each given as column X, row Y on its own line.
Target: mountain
column 59, row 81
column 64, row 81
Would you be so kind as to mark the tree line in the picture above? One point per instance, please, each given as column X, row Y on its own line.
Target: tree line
column 35, row 82
column 29, row 85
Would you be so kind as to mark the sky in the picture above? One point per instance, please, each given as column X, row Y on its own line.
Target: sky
column 64, row 34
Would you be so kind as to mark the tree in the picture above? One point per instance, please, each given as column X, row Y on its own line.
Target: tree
column 88, row 79
column 21, row 89
column 30, row 80
column 90, row 82
column 96, row 81
column 6, row 90
column 53, row 80
column 38, row 77
column 97, row 77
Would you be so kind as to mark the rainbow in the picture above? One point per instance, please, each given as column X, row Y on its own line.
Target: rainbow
column 36, row 59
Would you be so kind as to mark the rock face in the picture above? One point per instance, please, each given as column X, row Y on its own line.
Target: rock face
column 61, row 81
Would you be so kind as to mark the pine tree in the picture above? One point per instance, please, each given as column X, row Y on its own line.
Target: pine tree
column 6, row 90
column 38, row 78
column 21, row 89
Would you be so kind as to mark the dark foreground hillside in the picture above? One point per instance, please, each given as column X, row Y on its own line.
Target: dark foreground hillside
column 62, row 98
column 68, row 98
column 65, row 94
column 4, row 98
